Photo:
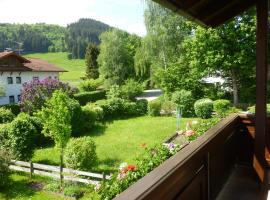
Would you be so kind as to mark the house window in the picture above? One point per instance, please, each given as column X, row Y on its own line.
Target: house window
column 19, row 98
column 10, row 80
column 11, row 99
column 35, row 78
column 18, row 80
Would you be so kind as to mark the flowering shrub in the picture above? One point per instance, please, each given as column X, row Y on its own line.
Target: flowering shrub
column 129, row 174
column 34, row 93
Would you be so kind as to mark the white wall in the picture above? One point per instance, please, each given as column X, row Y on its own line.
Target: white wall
column 15, row 89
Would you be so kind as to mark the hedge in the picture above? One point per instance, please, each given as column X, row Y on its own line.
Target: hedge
column 86, row 97
column 15, row 108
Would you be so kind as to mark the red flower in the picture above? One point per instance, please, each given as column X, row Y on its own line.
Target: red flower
column 131, row 167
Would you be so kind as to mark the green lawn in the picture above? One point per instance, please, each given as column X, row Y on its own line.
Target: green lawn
column 22, row 188
column 75, row 67
column 121, row 140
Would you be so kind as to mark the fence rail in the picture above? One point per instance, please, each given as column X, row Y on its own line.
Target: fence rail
column 54, row 172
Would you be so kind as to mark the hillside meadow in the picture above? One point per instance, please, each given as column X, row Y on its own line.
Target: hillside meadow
column 75, row 67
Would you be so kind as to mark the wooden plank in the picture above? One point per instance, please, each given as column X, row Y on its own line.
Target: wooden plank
column 89, row 174
column 20, row 163
column 49, row 174
column 258, row 168
column 75, row 179
column 261, row 81
column 46, row 167
column 18, row 168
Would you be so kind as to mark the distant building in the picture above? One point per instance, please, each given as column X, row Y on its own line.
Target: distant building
column 16, row 70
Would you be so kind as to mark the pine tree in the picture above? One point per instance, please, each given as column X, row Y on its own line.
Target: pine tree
column 91, row 56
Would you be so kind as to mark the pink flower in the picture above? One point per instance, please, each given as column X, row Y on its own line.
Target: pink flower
column 189, row 133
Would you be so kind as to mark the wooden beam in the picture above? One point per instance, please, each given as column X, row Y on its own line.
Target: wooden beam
column 261, row 81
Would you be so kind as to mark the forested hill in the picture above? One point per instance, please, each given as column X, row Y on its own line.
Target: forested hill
column 36, row 38
column 81, row 33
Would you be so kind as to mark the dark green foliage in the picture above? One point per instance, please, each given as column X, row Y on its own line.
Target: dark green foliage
column 184, row 100
column 76, row 116
column 80, row 153
column 34, row 37
column 203, row 108
column 6, row 115
column 86, row 97
column 142, row 106
column 222, row 106
column 154, row 107
column 4, row 170
column 89, row 85
column 21, row 137
column 91, row 56
column 120, row 108
column 15, row 108
column 81, row 33
column 131, row 89
column 89, row 116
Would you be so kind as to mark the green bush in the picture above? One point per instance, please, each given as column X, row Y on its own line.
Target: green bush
column 86, row 97
column 89, row 117
column 185, row 100
column 114, row 92
column 4, row 135
column 76, row 117
column 168, row 107
column 142, row 105
column 154, row 107
column 203, row 108
column 15, row 108
column 6, row 115
column 221, row 106
column 90, row 85
column 21, row 137
column 4, row 170
column 80, row 153
column 131, row 89
column 73, row 190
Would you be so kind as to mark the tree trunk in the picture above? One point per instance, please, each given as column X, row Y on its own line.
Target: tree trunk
column 61, row 169
column 234, row 87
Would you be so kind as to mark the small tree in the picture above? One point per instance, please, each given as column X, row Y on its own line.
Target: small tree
column 57, row 122
column 91, row 56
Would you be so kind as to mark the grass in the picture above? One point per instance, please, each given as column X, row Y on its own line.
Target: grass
column 75, row 67
column 22, row 188
column 120, row 140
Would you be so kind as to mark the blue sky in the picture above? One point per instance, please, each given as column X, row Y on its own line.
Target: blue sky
column 124, row 14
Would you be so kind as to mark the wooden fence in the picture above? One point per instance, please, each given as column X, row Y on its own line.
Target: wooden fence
column 54, row 172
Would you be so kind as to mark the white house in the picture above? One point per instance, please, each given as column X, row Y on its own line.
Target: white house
column 16, row 70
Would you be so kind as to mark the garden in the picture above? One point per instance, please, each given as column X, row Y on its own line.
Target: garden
column 98, row 131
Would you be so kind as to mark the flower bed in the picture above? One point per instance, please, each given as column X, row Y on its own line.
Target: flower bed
column 152, row 158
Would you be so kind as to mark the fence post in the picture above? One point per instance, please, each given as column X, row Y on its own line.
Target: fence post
column 31, row 169
column 103, row 176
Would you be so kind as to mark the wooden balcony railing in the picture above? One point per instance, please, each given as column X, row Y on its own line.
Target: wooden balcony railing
column 200, row 169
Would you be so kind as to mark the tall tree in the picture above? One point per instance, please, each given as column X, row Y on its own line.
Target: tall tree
column 116, row 58
column 227, row 51
column 91, row 56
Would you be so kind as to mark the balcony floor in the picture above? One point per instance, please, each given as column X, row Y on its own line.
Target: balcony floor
column 242, row 184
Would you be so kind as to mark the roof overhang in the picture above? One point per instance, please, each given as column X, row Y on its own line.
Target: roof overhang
column 210, row 13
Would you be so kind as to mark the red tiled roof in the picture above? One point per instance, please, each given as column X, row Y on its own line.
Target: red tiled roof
column 11, row 53
column 42, row 66
column 31, row 64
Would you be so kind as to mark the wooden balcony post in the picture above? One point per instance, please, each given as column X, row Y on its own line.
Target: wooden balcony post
column 261, row 80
